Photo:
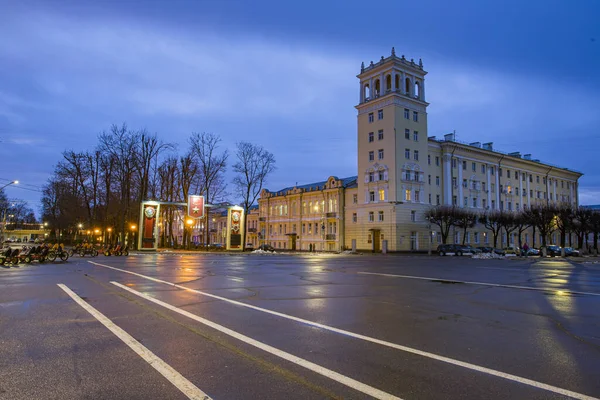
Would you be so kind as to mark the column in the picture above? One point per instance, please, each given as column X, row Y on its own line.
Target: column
column 394, row 81
column 371, row 89
column 422, row 93
column 382, row 84
column 571, row 198
column 402, row 86
column 447, row 179
column 547, row 189
column 528, row 196
column 460, row 182
column 361, row 95
column 489, row 185
column 555, row 198
column 497, row 175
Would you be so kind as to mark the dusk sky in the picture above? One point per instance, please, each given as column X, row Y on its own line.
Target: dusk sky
column 522, row 74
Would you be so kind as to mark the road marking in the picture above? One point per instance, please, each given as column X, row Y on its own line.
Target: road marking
column 407, row 349
column 541, row 289
column 354, row 384
column 181, row 383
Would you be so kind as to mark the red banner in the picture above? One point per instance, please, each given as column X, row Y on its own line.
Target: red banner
column 148, row 227
column 195, row 206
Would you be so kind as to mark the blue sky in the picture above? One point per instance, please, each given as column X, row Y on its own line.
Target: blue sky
column 524, row 75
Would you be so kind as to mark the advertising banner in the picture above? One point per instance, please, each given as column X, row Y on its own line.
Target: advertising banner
column 195, row 206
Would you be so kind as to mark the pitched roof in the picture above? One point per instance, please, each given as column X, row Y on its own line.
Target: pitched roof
column 346, row 182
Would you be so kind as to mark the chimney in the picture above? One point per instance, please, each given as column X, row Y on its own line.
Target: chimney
column 488, row 146
column 515, row 154
column 475, row 144
column 449, row 137
column 527, row 157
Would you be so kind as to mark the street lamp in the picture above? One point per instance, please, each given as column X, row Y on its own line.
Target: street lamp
column 10, row 183
column 133, row 243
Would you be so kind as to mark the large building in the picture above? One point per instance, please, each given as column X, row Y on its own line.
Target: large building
column 402, row 172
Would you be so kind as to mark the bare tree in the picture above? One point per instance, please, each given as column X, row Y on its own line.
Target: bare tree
column 443, row 216
column 564, row 222
column 509, row 223
column 464, row 219
column 188, row 170
column 493, row 220
column 522, row 224
column 581, row 225
column 252, row 167
column 595, row 228
column 149, row 148
column 542, row 217
column 212, row 165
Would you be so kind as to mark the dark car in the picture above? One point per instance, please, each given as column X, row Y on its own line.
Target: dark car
column 553, row 250
column 488, row 249
column 457, row 249
column 266, row 247
column 571, row 252
column 471, row 249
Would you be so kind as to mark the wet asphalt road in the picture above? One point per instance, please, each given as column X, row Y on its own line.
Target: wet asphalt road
column 52, row 348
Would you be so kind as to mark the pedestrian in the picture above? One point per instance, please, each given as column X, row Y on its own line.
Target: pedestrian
column 525, row 248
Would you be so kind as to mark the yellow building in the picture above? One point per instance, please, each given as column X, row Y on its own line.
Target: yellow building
column 402, row 172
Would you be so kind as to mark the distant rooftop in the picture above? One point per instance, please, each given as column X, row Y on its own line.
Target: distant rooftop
column 346, row 182
column 451, row 138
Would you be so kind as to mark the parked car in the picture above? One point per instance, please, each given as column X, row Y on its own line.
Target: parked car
column 488, row 249
column 446, row 249
column 532, row 252
column 571, row 252
column 512, row 250
column 553, row 251
column 249, row 246
column 266, row 247
column 471, row 249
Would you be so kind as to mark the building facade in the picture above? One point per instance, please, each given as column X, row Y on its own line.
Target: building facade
column 402, row 172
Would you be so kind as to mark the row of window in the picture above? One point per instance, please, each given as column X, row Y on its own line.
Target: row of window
column 309, row 228
column 307, row 208
column 415, row 154
column 415, row 115
column 407, row 136
column 379, row 155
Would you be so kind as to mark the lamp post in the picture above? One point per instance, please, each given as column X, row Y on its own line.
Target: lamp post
column 133, row 242
column 189, row 223
column 15, row 182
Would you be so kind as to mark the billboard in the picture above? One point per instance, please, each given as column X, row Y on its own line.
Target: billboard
column 195, row 206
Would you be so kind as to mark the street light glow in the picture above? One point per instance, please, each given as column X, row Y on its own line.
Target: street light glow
column 189, row 221
column 133, row 227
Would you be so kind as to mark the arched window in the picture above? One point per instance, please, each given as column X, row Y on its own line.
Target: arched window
column 367, row 92
column 397, row 82
column 377, row 87
column 407, row 86
column 417, row 90
column 388, row 83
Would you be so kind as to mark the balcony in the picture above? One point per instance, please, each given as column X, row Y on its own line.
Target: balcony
column 331, row 215
column 330, row 236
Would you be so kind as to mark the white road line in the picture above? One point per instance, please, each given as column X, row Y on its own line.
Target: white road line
column 181, row 383
column 541, row 289
column 344, row 380
column 407, row 349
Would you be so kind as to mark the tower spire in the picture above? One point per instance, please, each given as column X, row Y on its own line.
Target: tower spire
column 393, row 51
column 362, row 67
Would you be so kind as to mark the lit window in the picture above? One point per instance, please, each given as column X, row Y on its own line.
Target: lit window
column 407, row 194
column 380, row 114
column 380, row 154
column 380, row 216
column 380, row 134
column 371, row 156
column 381, row 195
column 406, row 113
column 371, row 137
column 371, row 216
column 371, row 118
